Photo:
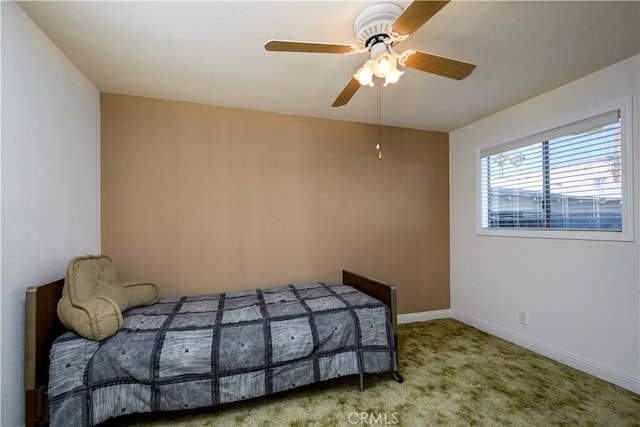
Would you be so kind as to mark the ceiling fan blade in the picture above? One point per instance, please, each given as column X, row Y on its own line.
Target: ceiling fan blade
column 293, row 46
column 347, row 93
column 416, row 14
column 439, row 65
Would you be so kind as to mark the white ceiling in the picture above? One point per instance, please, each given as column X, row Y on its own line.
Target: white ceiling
column 212, row 53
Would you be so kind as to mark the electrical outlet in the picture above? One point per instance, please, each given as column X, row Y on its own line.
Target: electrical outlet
column 523, row 317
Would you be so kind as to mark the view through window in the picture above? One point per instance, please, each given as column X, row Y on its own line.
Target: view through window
column 569, row 179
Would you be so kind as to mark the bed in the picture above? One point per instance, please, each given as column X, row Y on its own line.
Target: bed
column 188, row 352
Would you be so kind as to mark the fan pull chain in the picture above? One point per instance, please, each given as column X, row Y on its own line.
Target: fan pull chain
column 379, row 144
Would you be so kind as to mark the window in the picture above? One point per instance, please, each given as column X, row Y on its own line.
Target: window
column 570, row 179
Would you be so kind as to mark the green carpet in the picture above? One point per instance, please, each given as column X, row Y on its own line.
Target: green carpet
column 455, row 375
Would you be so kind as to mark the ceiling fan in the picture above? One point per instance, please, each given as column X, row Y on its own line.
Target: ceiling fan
column 377, row 29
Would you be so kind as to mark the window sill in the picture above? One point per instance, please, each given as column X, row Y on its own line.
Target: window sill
column 613, row 236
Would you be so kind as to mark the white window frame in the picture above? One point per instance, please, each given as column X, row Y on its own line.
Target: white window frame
column 626, row 139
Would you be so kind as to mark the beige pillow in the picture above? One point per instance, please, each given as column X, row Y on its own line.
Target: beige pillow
column 93, row 299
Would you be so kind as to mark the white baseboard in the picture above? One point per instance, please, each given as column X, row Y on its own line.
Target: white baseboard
column 423, row 316
column 561, row 356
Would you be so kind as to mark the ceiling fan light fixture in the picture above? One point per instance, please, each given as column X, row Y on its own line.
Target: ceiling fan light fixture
column 383, row 65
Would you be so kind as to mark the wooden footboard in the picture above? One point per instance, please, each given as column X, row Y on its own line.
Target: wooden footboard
column 43, row 327
column 378, row 290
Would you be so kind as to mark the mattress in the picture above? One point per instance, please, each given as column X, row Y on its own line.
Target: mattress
column 206, row 350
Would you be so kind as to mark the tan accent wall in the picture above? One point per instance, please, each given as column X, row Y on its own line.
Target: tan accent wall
column 207, row 199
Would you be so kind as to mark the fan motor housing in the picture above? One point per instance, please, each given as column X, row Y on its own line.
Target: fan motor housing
column 375, row 20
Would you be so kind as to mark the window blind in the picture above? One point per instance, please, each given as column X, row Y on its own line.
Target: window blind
column 568, row 178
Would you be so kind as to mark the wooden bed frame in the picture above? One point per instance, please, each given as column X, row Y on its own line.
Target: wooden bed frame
column 43, row 327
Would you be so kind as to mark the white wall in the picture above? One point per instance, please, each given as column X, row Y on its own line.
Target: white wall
column 582, row 297
column 50, row 181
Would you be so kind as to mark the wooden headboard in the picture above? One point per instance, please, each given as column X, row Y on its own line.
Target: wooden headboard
column 43, row 327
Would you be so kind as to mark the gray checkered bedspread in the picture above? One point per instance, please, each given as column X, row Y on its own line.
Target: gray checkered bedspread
column 206, row 350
